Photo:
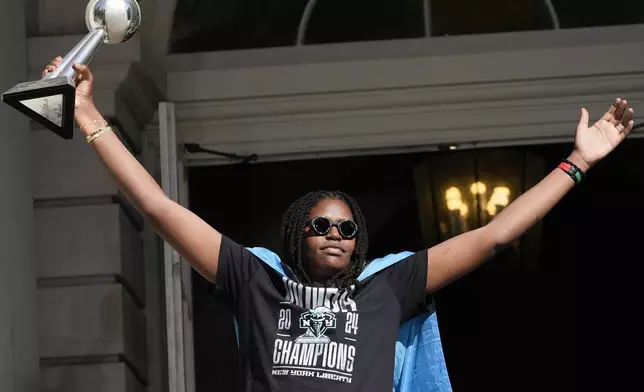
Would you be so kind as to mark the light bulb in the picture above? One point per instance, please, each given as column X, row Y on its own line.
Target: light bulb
column 453, row 194
column 478, row 188
column 454, row 205
column 491, row 208
column 500, row 196
column 453, row 198
column 464, row 209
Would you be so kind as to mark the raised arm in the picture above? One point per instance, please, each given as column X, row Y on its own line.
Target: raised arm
column 458, row 256
column 193, row 238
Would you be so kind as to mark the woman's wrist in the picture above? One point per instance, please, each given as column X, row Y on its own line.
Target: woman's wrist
column 577, row 160
column 89, row 119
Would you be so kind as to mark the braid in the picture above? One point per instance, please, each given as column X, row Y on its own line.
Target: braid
column 292, row 233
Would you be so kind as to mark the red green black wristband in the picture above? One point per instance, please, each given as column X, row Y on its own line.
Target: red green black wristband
column 572, row 170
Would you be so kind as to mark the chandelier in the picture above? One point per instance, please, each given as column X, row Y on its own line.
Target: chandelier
column 459, row 191
column 488, row 204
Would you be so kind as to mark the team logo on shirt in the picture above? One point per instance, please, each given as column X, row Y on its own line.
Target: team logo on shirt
column 316, row 322
column 302, row 347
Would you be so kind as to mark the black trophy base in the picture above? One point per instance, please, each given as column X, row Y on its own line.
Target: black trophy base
column 49, row 102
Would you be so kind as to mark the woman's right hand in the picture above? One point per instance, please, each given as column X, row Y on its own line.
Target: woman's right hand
column 84, row 81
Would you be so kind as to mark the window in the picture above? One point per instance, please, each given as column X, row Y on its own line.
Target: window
column 590, row 13
column 460, row 17
column 206, row 25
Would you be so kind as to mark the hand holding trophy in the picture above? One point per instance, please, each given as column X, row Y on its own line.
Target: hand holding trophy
column 50, row 101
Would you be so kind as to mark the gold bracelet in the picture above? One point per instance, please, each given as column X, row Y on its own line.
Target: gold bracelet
column 97, row 134
column 82, row 128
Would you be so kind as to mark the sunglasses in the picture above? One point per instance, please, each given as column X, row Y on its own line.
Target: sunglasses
column 321, row 225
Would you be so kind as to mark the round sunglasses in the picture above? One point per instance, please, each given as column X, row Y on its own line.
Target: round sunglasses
column 321, row 225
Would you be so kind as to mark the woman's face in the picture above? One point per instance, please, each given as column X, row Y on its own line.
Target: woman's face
column 326, row 255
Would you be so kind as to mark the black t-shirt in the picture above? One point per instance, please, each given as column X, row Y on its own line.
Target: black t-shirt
column 294, row 337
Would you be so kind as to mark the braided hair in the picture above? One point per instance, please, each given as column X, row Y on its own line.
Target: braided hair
column 294, row 222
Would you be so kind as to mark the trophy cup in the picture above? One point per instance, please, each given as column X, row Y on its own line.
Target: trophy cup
column 50, row 101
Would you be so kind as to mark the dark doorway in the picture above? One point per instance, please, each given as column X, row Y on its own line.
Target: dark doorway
column 504, row 327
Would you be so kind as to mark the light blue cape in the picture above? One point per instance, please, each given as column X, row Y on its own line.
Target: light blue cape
column 420, row 363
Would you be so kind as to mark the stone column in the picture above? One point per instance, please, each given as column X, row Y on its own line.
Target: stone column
column 18, row 328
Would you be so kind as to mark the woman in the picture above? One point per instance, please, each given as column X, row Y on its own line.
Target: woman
column 310, row 322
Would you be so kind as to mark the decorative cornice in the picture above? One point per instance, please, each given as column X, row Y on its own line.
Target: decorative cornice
column 487, row 90
column 404, row 119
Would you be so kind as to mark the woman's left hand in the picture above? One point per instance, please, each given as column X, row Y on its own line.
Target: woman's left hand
column 593, row 143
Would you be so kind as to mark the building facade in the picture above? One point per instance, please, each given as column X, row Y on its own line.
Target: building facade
column 85, row 304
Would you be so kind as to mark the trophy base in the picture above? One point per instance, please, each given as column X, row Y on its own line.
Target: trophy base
column 49, row 102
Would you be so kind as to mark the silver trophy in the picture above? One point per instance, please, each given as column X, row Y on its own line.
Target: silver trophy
column 50, row 101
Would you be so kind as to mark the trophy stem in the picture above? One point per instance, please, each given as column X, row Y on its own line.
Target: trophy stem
column 69, row 57
column 85, row 53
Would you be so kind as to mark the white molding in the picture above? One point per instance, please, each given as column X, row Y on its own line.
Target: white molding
column 470, row 59
column 518, row 88
column 502, row 122
column 401, row 49
column 378, row 97
column 174, row 284
column 370, row 75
